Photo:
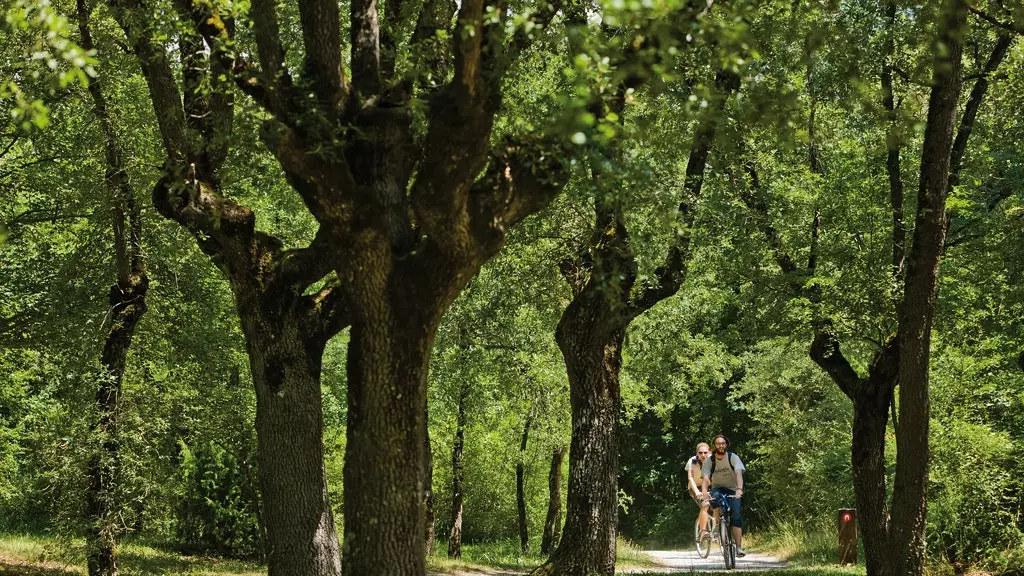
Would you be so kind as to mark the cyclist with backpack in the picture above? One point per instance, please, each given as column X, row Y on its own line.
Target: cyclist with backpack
column 694, row 477
column 723, row 472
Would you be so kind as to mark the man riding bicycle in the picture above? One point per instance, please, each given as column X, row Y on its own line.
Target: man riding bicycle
column 724, row 473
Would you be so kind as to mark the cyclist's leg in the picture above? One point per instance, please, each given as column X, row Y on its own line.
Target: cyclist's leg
column 737, row 522
column 702, row 517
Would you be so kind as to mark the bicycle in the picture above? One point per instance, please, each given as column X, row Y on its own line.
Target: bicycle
column 725, row 529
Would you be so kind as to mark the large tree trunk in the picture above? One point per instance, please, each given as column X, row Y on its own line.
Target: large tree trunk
column 455, row 536
column 553, row 523
column 301, row 536
column 384, row 461
column 524, row 535
column 593, row 363
column 907, row 543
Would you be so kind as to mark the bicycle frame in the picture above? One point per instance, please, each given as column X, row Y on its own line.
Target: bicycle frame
column 725, row 530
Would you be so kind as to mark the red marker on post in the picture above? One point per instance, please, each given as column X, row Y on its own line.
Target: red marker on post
column 847, row 536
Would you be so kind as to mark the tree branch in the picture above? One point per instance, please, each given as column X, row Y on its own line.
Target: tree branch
column 826, row 353
column 273, row 90
column 433, row 54
column 331, row 311
column 1008, row 26
column 973, row 105
column 127, row 243
column 135, row 20
column 314, row 176
column 521, row 178
column 268, row 44
column 300, row 268
column 752, row 197
column 671, row 274
column 366, row 72
column 892, row 160
column 321, row 37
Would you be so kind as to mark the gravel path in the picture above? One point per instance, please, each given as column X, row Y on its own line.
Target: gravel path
column 689, row 561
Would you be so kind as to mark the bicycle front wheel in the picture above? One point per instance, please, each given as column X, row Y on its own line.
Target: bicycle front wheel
column 702, row 538
column 728, row 546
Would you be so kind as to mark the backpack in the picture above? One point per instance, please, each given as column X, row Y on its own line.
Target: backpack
column 728, row 459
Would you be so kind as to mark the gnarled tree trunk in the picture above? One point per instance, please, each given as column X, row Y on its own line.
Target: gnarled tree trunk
column 593, row 357
column 590, row 334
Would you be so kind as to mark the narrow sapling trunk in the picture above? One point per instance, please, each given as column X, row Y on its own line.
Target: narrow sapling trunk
column 524, row 535
column 428, row 498
column 455, row 536
column 553, row 523
column 127, row 299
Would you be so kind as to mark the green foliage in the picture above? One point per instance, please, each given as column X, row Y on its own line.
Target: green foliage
column 219, row 510
column 48, row 57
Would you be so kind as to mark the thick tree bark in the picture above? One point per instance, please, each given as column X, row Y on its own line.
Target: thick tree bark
column 285, row 365
column 907, row 543
column 524, row 535
column 384, row 460
column 870, row 419
column 553, row 523
column 455, row 536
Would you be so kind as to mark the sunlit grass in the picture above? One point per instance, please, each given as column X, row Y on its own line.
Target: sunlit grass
column 798, row 543
column 22, row 555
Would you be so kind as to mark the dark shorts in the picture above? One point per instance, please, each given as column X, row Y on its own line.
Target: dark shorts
column 736, row 517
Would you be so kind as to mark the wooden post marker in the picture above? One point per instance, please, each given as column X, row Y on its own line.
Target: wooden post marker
column 847, row 536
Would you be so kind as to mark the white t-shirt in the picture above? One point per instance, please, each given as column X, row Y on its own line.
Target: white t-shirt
column 724, row 477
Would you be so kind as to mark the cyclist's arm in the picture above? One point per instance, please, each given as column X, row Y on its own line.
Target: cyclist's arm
column 739, row 483
column 693, row 485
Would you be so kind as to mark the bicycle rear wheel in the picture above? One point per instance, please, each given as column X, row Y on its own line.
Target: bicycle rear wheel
column 703, row 539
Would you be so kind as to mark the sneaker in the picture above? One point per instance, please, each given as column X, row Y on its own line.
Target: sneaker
column 740, row 553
